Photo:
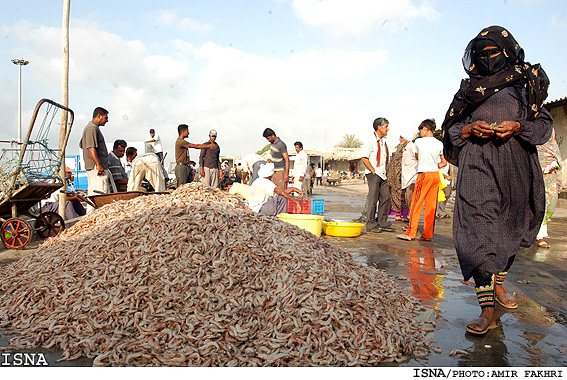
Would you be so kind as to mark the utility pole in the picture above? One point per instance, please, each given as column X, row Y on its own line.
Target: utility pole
column 20, row 62
column 65, row 103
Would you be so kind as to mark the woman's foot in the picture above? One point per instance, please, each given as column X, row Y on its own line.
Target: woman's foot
column 542, row 243
column 504, row 299
column 485, row 322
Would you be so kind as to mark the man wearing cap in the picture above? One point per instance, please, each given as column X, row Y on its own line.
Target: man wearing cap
column 155, row 142
column 183, row 168
column 209, row 162
column 266, row 198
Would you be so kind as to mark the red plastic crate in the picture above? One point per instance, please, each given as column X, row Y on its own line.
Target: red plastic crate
column 305, row 206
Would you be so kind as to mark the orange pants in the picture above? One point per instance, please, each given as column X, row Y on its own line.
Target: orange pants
column 426, row 189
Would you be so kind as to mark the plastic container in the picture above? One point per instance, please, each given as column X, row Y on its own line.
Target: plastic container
column 311, row 223
column 305, row 207
column 342, row 229
column 317, row 206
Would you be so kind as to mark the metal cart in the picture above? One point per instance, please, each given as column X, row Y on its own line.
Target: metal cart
column 29, row 173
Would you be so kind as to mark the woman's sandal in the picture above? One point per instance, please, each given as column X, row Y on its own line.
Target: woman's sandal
column 507, row 301
column 480, row 321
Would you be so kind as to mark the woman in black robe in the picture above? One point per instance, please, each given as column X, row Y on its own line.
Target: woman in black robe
column 490, row 132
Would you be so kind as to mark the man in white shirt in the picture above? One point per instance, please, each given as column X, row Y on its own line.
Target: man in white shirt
column 300, row 167
column 155, row 142
column 428, row 151
column 375, row 157
column 266, row 198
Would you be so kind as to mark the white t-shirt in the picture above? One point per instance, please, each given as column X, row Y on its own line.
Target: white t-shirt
column 428, row 149
column 261, row 190
column 156, row 144
column 370, row 151
column 300, row 165
column 409, row 165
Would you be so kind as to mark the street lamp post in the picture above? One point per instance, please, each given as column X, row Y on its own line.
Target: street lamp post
column 20, row 62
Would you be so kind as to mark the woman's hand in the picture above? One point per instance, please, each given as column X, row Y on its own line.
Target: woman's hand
column 506, row 129
column 479, row 128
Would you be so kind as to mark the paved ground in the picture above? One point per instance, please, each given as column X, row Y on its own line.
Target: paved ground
column 533, row 335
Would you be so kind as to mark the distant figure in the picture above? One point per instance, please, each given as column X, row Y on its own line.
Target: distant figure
column 95, row 154
column 409, row 168
column 300, row 168
column 148, row 167
column 280, row 158
column 238, row 170
column 318, row 175
column 550, row 160
column 252, row 163
column 74, row 208
column 183, row 169
column 209, row 162
column 155, row 142
column 115, row 165
column 131, row 154
column 447, row 172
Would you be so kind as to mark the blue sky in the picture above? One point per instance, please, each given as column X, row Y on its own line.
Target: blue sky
column 312, row 70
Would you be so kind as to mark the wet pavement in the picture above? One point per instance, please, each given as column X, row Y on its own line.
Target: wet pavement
column 535, row 334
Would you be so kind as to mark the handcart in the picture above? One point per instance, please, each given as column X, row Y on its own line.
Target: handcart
column 29, row 173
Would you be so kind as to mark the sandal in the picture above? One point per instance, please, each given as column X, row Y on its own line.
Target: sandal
column 405, row 237
column 480, row 321
column 507, row 301
column 542, row 243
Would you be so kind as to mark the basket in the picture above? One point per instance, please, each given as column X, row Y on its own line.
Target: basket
column 305, row 207
column 310, row 223
column 342, row 229
column 317, row 206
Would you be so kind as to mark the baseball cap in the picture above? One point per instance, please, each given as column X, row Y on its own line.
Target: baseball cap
column 213, row 132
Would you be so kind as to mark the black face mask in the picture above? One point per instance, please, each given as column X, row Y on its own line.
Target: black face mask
column 489, row 66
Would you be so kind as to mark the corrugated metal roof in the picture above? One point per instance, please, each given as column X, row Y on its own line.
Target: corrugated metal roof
column 555, row 103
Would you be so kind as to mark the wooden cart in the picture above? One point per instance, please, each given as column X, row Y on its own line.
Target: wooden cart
column 30, row 172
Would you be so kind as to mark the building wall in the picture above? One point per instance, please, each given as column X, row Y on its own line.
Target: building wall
column 560, row 124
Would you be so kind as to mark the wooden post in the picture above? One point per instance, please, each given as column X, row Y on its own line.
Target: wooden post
column 64, row 102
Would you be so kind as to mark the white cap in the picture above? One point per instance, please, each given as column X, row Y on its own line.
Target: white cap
column 266, row 170
column 213, row 132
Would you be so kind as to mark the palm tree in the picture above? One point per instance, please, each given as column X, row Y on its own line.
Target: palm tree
column 350, row 141
column 264, row 149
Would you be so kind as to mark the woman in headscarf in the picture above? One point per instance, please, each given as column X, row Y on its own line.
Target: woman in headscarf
column 550, row 161
column 491, row 131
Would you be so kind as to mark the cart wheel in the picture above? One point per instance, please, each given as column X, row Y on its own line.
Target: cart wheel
column 49, row 224
column 16, row 233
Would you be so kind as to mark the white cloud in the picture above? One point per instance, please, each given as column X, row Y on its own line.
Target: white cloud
column 171, row 18
column 190, row 25
column 360, row 18
column 211, row 86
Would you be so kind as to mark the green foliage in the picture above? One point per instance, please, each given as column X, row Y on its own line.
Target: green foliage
column 350, row 141
column 264, row 149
